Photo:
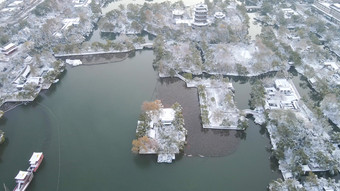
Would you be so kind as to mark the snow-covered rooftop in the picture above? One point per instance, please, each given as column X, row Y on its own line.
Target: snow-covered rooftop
column 152, row 133
column 337, row 6
column 287, row 175
column 26, row 71
column 282, row 83
column 219, row 15
column 167, row 115
column 70, row 22
column 35, row 157
column 15, row 3
column 8, row 47
column 21, row 175
column 177, row 12
column 325, row 4
column 332, row 64
column 34, row 80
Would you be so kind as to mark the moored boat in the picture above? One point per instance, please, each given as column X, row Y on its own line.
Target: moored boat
column 23, row 179
column 35, row 161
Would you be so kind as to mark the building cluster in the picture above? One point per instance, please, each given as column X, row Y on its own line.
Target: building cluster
column 14, row 6
column 330, row 11
column 165, row 137
column 282, row 96
column 200, row 16
column 23, row 77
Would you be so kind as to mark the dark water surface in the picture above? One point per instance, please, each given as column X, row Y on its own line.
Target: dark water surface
column 85, row 125
column 201, row 142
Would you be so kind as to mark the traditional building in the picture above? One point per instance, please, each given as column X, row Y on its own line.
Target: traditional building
column 219, row 15
column 177, row 14
column 335, row 11
column 201, row 15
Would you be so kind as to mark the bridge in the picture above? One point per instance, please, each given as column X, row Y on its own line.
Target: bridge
column 253, row 8
column 139, row 47
column 255, row 114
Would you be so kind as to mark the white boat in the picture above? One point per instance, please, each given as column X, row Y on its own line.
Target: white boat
column 35, row 161
column 56, row 81
column 23, row 179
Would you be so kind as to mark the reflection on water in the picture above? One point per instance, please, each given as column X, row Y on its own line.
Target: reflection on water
column 96, row 109
column 206, row 142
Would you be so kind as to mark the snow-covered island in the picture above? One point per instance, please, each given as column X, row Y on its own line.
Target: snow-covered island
column 216, row 98
column 160, row 131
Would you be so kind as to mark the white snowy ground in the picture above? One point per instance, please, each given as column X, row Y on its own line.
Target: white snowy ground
column 216, row 97
column 301, row 133
column 225, row 59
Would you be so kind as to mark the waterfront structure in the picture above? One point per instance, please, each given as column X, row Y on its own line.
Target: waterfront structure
column 282, row 96
column 23, row 179
column 330, row 11
column 75, row 62
column 161, row 132
column 201, row 15
column 36, row 160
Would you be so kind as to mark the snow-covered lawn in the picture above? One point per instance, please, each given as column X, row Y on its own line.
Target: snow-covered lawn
column 330, row 106
column 218, row 109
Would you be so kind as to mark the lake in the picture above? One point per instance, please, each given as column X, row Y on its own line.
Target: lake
column 85, row 125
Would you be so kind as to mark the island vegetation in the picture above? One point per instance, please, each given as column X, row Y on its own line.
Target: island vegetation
column 160, row 131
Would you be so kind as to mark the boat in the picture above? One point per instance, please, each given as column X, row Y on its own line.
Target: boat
column 35, row 161
column 55, row 81
column 23, row 179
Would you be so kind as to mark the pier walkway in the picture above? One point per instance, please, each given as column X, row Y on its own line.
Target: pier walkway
column 142, row 46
